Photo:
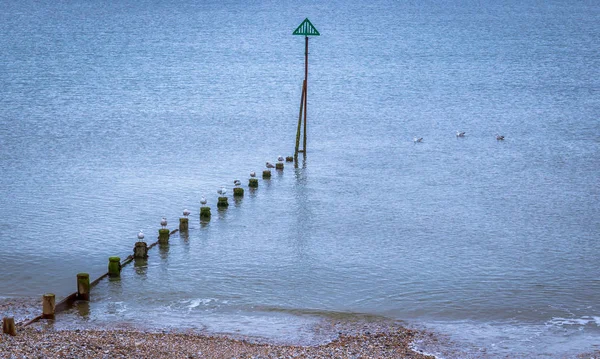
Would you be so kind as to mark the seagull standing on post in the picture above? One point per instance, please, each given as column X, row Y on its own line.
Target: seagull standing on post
column 203, row 200
column 141, row 236
column 163, row 222
column 237, row 183
column 270, row 165
column 252, row 174
column 280, row 158
column 186, row 213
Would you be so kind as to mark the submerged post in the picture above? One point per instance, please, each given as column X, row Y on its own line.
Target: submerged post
column 163, row 236
column 48, row 306
column 205, row 213
column 83, row 286
column 140, row 250
column 114, row 267
column 305, row 29
column 222, row 202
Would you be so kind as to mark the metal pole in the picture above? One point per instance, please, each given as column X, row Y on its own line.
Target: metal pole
column 305, row 89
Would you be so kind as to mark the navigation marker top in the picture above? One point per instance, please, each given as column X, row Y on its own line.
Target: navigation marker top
column 306, row 29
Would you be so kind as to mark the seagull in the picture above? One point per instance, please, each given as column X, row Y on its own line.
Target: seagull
column 252, row 174
column 499, row 138
column 141, row 235
column 460, row 133
column 280, row 158
column 237, row 182
column 270, row 165
column 186, row 213
column 420, row 139
column 203, row 200
column 163, row 222
column 222, row 191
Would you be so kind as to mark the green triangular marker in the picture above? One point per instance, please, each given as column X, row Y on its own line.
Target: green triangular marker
column 306, row 29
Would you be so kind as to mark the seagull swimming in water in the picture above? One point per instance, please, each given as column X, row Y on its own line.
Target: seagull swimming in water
column 163, row 222
column 499, row 138
column 420, row 139
column 222, row 191
column 252, row 174
column 186, row 213
column 280, row 158
column 141, row 235
column 460, row 133
column 237, row 182
column 203, row 200
column 270, row 165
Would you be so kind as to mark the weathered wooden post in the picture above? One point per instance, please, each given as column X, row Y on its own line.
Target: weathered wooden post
column 8, row 326
column 289, row 159
column 305, row 29
column 238, row 192
column 140, row 251
column 253, row 181
column 48, row 306
column 183, row 222
column 222, row 202
column 163, row 236
column 114, row 267
column 279, row 166
column 83, row 286
column 266, row 174
column 205, row 213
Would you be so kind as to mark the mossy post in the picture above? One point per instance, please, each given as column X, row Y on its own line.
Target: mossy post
column 238, row 192
column 279, row 166
column 289, row 159
column 140, row 250
column 266, row 174
column 114, row 267
column 183, row 224
column 205, row 213
column 253, row 183
column 222, row 203
column 83, row 286
column 8, row 326
column 48, row 306
column 163, row 236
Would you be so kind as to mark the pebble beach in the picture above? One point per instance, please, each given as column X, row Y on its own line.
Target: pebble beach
column 353, row 339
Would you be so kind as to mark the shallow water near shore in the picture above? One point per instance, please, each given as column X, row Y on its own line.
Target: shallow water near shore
column 115, row 115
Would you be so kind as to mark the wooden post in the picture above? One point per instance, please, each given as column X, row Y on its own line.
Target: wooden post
column 163, row 236
column 253, row 183
column 114, row 267
column 289, row 159
column 222, row 202
column 279, row 166
column 266, row 174
column 183, row 224
column 8, row 326
column 140, row 250
column 83, row 286
column 238, row 192
column 205, row 213
column 48, row 306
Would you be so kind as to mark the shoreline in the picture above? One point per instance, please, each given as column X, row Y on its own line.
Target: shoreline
column 350, row 339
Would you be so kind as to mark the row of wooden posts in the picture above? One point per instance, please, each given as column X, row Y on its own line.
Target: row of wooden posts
column 140, row 251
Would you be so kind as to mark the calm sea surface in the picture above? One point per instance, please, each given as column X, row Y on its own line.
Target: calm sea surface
column 115, row 114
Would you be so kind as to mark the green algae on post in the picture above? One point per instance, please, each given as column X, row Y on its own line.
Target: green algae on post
column 222, row 203
column 183, row 224
column 266, row 174
column 238, row 192
column 114, row 266
column 163, row 236
column 205, row 213
column 83, row 286
column 253, row 183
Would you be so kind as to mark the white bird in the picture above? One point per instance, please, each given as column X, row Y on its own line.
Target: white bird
column 499, row 138
column 420, row 139
column 203, row 200
column 280, row 158
column 252, row 174
column 141, row 235
column 270, row 165
column 186, row 212
column 222, row 191
column 460, row 133
column 237, row 182
column 163, row 222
